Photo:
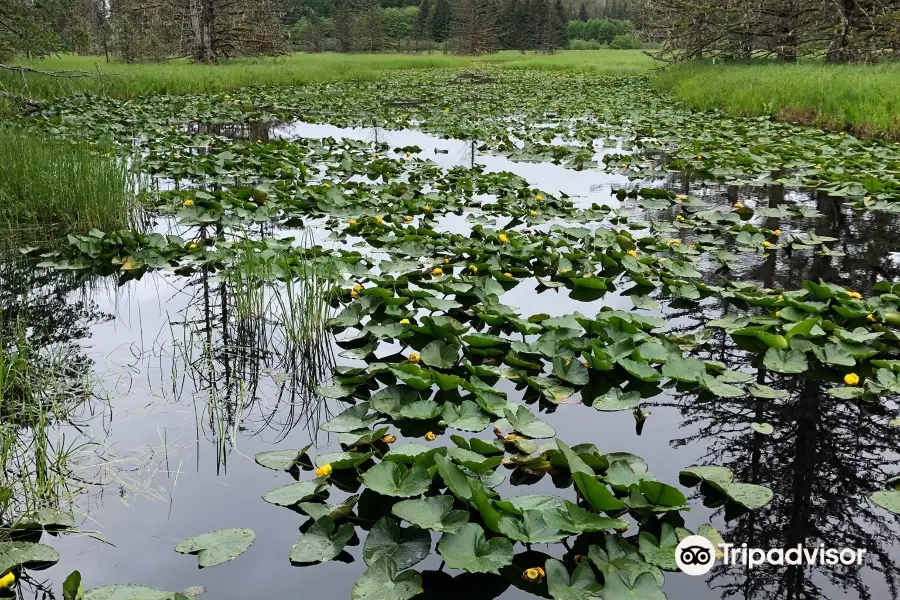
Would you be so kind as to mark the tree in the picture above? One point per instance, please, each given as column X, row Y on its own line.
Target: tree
column 343, row 23
column 582, row 13
column 474, row 27
column 441, row 20
column 421, row 32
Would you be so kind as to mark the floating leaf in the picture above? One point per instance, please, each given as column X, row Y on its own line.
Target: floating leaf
column 217, row 547
column 382, row 582
column 434, row 513
column 394, row 479
column 322, row 542
column 468, row 550
column 405, row 547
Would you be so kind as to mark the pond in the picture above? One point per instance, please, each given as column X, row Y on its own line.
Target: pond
column 531, row 319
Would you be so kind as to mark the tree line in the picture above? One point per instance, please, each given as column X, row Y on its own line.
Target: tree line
column 212, row 30
column 836, row 30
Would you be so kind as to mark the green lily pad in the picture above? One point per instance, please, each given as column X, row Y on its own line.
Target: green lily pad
column 322, row 542
column 395, row 479
column 405, row 547
column 434, row 513
column 468, row 550
column 217, row 547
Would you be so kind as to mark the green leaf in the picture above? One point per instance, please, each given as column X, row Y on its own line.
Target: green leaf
column 574, row 519
column 294, row 493
column 571, row 371
column 889, row 500
column 394, row 479
column 477, row 463
column 343, row 460
column 217, row 547
column 644, row 587
column 322, row 542
column 453, row 477
column 596, row 493
column 467, row 416
column 760, row 390
column 440, row 354
column 660, row 552
column 523, row 420
column 581, row 586
column 639, row 370
column 130, row 591
column 763, row 428
column 72, row 589
column 352, row 419
column 336, row 512
column 785, row 361
column 387, row 541
column 685, row 369
column 434, row 513
column 20, row 554
column 281, row 460
column 468, row 550
column 382, row 582
column 615, row 399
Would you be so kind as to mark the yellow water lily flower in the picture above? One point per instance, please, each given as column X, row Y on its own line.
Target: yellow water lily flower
column 538, row 197
column 389, row 439
column 738, row 205
column 699, row 157
column 679, row 218
column 427, row 208
column 192, row 246
column 767, row 244
column 446, row 260
column 409, row 154
column 404, row 321
column 870, row 317
column 534, row 575
column 188, row 202
column 414, row 357
column 625, row 166
column 533, row 213
column 358, row 287
column 324, row 471
column 408, row 218
column 354, row 294
column 379, row 219
column 674, row 242
column 819, row 166
column 7, row 580
column 566, row 271
column 778, row 313
column 780, row 297
column 353, row 221
column 503, row 238
column 437, row 271
column 633, row 253
column 507, row 275
column 681, row 197
column 777, row 233
column 851, row 379
column 326, row 185
column 430, row 437
column 855, row 295
column 473, row 268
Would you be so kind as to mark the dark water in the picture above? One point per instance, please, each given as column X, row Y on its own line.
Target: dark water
column 188, row 393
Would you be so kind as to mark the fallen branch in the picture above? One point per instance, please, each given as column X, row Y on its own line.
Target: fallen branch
column 63, row 74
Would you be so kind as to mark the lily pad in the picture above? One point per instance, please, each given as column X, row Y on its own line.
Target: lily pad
column 468, row 550
column 405, row 547
column 322, row 542
column 217, row 547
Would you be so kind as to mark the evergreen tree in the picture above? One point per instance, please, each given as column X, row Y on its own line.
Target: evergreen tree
column 441, row 20
column 583, row 13
column 559, row 25
column 421, row 31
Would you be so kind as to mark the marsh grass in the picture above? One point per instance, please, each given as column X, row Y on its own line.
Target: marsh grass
column 51, row 187
column 864, row 99
column 38, row 394
column 123, row 80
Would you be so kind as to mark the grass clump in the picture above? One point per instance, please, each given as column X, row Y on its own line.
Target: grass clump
column 123, row 80
column 51, row 187
column 863, row 99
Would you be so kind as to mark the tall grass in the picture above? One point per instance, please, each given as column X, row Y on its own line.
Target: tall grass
column 51, row 187
column 182, row 77
column 864, row 99
column 38, row 392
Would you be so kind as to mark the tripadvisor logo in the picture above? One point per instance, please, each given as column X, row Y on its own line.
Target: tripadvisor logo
column 696, row 555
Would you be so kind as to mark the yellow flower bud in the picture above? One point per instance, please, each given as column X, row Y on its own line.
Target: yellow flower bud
column 404, row 321
column 437, row 271
column 851, row 379
column 538, row 197
column 389, row 439
column 534, row 575
column 503, row 238
column 188, row 202
column 507, row 275
column 633, row 253
column 414, row 357
column 324, row 471
column 777, row 232
column 430, row 437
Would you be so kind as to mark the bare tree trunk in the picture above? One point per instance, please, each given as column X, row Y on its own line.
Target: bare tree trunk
column 203, row 20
